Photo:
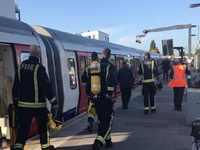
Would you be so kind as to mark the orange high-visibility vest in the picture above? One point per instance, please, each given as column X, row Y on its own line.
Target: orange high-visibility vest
column 179, row 78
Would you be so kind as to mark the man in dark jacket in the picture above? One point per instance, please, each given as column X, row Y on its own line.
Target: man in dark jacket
column 126, row 82
column 165, row 66
column 30, row 90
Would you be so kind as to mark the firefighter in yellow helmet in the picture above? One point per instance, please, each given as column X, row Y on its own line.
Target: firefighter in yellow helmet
column 87, row 78
column 148, row 72
column 30, row 90
column 104, row 103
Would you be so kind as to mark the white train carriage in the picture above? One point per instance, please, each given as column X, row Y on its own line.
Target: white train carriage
column 64, row 55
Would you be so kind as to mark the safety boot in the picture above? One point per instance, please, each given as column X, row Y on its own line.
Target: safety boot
column 109, row 143
column 51, row 147
column 90, row 127
column 153, row 110
column 90, row 124
column 95, row 146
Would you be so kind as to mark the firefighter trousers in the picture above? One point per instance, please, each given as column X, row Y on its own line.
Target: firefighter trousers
column 25, row 116
column 105, row 112
column 149, row 91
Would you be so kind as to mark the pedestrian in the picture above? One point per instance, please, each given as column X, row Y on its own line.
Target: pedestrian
column 165, row 66
column 178, row 82
column 148, row 72
column 104, row 104
column 30, row 90
column 86, row 79
column 126, row 82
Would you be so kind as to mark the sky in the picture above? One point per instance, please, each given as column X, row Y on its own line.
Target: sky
column 121, row 19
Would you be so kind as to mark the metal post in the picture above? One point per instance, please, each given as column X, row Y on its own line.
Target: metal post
column 189, row 41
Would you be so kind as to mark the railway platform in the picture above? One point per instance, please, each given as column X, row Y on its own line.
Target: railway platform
column 132, row 130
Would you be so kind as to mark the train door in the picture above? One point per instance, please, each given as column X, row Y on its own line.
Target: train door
column 71, row 85
column 7, row 63
column 83, row 101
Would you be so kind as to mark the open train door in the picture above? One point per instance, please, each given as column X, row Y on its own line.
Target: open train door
column 83, row 102
column 6, row 80
column 10, row 57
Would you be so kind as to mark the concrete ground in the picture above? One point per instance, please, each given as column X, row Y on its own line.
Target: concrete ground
column 132, row 129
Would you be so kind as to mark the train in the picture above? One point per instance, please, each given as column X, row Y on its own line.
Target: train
column 64, row 56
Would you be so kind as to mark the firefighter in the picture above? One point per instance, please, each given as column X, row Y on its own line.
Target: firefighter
column 86, row 79
column 178, row 82
column 104, row 103
column 30, row 90
column 148, row 72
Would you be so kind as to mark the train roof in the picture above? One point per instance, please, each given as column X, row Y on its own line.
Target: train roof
column 90, row 44
column 15, row 26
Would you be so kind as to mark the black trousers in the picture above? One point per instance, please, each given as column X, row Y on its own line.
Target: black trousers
column 126, row 95
column 178, row 97
column 165, row 74
column 25, row 116
column 105, row 113
column 149, row 91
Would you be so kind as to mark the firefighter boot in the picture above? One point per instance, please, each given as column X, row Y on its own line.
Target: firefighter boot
column 97, row 145
column 90, row 124
column 51, row 147
column 109, row 143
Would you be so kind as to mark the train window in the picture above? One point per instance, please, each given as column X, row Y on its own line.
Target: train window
column 72, row 73
column 83, row 63
column 89, row 60
column 24, row 56
column 132, row 65
column 117, row 62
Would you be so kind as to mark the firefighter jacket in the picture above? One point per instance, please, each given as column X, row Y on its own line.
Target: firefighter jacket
column 178, row 75
column 32, row 86
column 148, row 71
column 108, row 77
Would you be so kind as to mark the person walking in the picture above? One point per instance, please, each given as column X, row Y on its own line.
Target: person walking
column 178, row 82
column 104, row 103
column 30, row 89
column 148, row 72
column 126, row 82
column 86, row 79
column 165, row 66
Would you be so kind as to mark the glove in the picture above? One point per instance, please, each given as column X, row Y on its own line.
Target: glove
column 55, row 107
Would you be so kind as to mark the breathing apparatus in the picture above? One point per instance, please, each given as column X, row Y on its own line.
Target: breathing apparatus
column 95, row 77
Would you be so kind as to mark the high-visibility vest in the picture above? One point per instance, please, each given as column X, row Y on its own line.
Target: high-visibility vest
column 179, row 77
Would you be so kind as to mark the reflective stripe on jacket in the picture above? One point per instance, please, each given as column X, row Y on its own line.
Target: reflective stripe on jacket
column 32, row 86
column 148, row 80
column 179, row 77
